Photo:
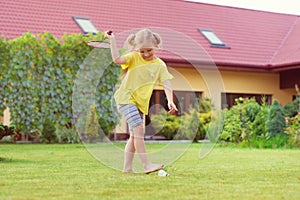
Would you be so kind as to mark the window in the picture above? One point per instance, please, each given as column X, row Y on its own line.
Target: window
column 295, row 97
column 214, row 40
column 184, row 100
column 228, row 99
column 86, row 25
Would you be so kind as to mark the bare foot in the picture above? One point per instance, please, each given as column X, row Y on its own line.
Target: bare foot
column 152, row 168
column 127, row 171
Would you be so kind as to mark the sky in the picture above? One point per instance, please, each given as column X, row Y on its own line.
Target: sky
column 278, row 6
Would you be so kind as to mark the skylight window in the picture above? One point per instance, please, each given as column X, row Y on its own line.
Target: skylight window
column 86, row 25
column 214, row 40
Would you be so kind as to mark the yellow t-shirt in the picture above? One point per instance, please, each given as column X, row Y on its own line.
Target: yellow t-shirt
column 140, row 79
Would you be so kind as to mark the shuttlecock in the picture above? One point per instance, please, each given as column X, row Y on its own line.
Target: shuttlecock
column 163, row 173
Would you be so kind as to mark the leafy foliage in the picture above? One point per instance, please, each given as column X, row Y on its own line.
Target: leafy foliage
column 92, row 125
column 291, row 109
column 38, row 73
column 293, row 130
column 48, row 134
column 165, row 124
column 6, row 131
column 192, row 125
column 237, row 123
column 259, row 123
column 276, row 121
column 67, row 135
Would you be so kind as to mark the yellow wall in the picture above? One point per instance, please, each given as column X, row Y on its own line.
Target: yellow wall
column 211, row 82
column 257, row 83
column 6, row 117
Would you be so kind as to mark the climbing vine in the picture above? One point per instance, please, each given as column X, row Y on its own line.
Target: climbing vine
column 37, row 79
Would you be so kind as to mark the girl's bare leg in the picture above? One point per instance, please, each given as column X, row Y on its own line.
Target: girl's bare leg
column 129, row 155
column 140, row 148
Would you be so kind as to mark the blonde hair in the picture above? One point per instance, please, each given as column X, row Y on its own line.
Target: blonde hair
column 144, row 38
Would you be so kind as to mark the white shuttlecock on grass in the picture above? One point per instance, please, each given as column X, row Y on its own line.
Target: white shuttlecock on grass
column 163, row 173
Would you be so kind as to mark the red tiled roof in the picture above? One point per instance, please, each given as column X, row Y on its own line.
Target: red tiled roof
column 256, row 39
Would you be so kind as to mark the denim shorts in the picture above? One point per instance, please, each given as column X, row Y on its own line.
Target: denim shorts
column 132, row 115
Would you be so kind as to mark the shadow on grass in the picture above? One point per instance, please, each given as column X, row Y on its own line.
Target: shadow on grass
column 4, row 160
column 10, row 160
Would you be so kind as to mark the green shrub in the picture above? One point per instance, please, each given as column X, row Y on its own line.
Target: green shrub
column 252, row 108
column 259, row 123
column 67, row 135
column 238, row 119
column 277, row 141
column 7, row 139
column 214, row 128
column 293, row 131
column 185, row 127
column 275, row 123
column 106, row 127
column 165, row 124
column 92, row 125
column 205, row 105
column 232, row 129
column 47, row 67
column 7, row 131
column 291, row 109
column 48, row 132
column 191, row 128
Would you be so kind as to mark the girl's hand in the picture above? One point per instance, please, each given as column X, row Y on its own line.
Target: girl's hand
column 96, row 44
column 108, row 34
column 93, row 43
column 172, row 108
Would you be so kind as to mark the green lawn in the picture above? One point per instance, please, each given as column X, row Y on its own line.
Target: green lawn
column 36, row 171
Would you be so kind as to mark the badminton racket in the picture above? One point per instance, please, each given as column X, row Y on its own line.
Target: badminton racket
column 102, row 44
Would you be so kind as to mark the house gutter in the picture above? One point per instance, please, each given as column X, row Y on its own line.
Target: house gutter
column 232, row 66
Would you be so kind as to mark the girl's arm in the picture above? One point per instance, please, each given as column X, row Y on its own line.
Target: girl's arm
column 114, row 50
column 169, row 93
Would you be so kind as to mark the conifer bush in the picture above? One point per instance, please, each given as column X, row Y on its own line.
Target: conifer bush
column 275, row 123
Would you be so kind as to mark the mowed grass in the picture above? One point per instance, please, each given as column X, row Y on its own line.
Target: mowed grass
column 37, row 171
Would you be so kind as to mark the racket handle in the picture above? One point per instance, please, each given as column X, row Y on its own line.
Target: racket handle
column 109, row 32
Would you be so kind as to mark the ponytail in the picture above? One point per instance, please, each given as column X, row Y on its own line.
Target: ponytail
column 130, row 42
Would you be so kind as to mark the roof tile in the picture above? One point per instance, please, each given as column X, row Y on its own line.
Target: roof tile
column 255, row 38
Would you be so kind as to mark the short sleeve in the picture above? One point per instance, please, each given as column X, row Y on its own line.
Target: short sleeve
column 164, row 74
column 128, row 58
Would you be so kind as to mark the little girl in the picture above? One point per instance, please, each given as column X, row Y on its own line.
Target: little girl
column 144, row 70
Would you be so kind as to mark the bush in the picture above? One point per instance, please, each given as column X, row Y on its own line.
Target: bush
column 48, row 132
column 205, row 105
column 291, row 109
column 232, row 129
column 276, row 141
column 191, row 128
column 275, row 123
column 259, row 123
column 293, row 131
column 165, row 124
column 92, row 125
column 6, row 131
column 48, row 67
column 237, row 123
column 67, row 135
column 106, row 127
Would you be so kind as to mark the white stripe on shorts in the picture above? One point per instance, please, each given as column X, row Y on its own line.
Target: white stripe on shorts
column 131, row 114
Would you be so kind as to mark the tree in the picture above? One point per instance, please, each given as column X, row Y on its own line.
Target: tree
column 92, row 125
column 275, row 123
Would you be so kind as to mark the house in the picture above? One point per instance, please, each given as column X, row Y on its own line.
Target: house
column 213, row 51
